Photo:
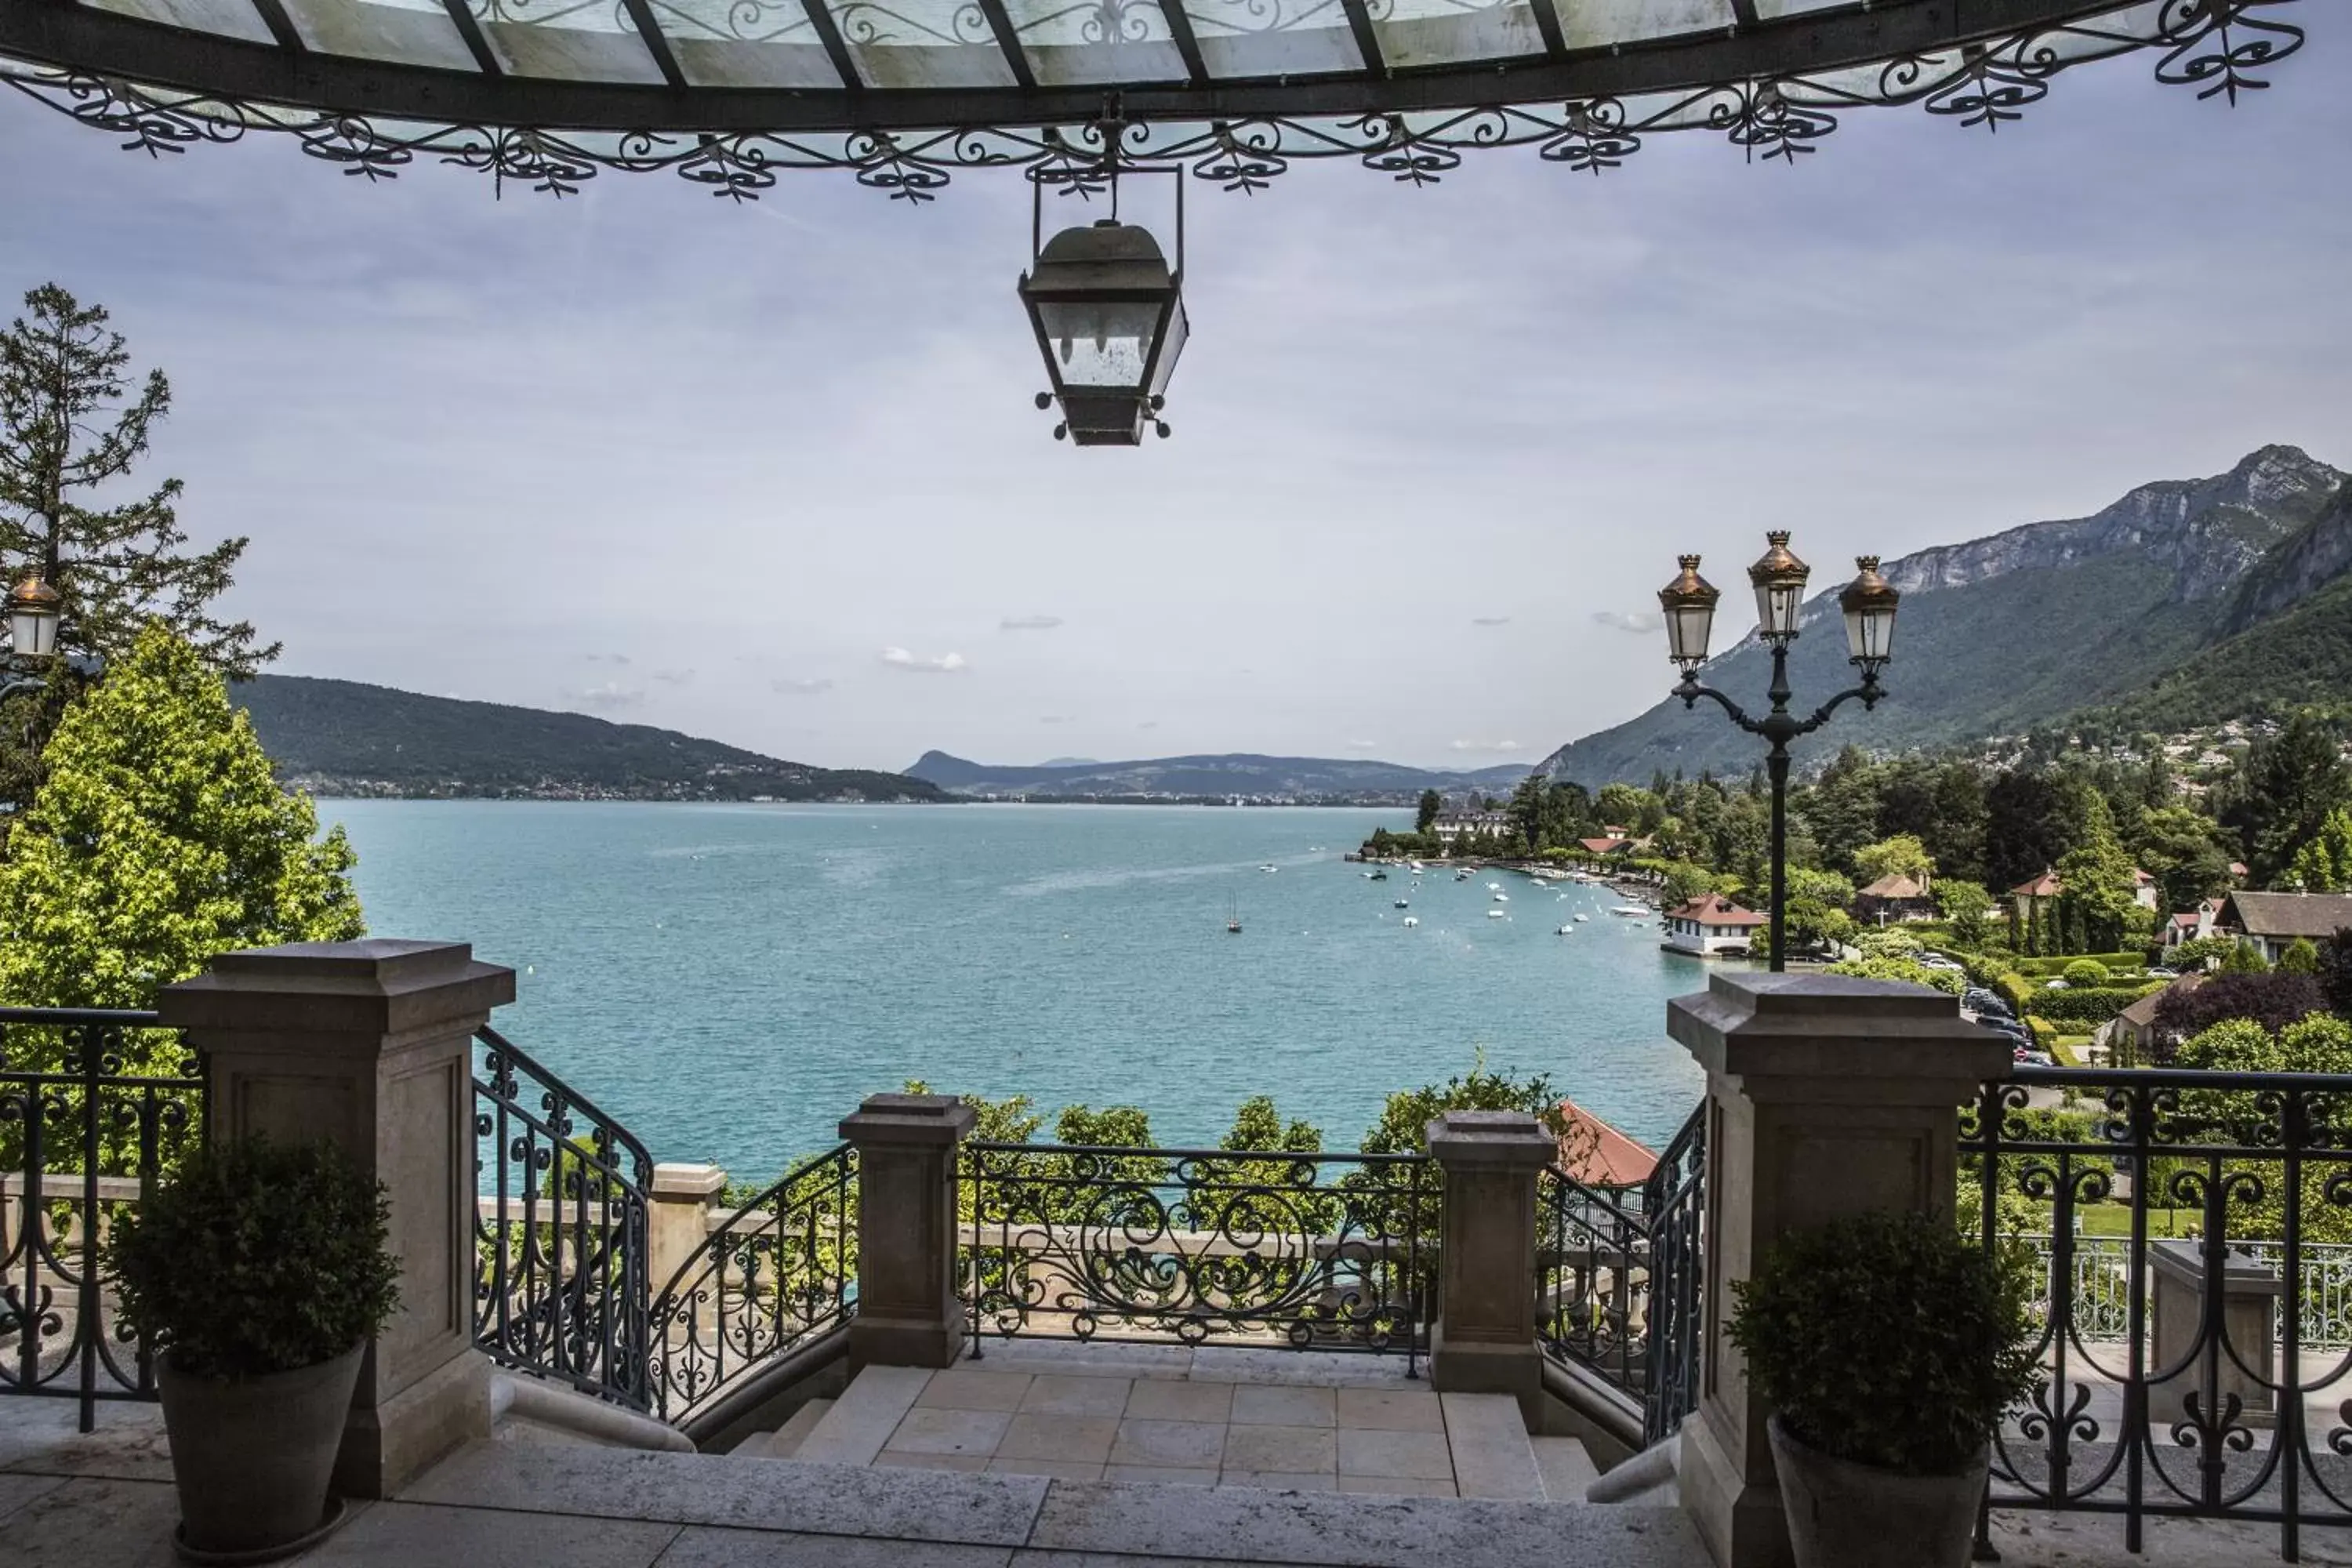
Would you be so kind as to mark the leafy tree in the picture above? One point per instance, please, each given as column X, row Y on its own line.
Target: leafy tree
column 1622, row 806
column 1432, row 802
column 160, row 839
column 2178, row 847
column 2301, row 957
column 1900, row 856
column 2323, row 864
column 2201, row 952
column 2031, row 819
column 1842, row 807
column 1405, row 1117
column 2273, row 1001
column 1963, row 905
column 2290, row 785
column 2244, row 958
column 1827, row 889
column 2336, row 973
column 1943, row 804
column 1685, row 882
column 71, row 430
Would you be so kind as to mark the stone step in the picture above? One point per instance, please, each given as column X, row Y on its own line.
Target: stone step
column 1567, row 1468
column 758, row 1511
column 854, row 1430
column 785, row 1442
column 1493, row 1456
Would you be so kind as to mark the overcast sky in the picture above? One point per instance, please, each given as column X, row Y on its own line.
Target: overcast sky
column 773, row 474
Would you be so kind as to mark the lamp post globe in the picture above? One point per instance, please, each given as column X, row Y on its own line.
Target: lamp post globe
column 33, row 617
column 1868, row 603
column 1108, row 313
column 1688, row 605
column 1778, row 578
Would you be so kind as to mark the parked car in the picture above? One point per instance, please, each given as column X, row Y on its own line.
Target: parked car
column 2035, row 1057
column 2158, row 972
column 1986, row 1002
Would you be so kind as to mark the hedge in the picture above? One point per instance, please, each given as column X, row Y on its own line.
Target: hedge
column 2084, row 1006
column 2052, row 968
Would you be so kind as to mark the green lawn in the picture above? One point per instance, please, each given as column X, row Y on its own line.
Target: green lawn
column 2114, row 1219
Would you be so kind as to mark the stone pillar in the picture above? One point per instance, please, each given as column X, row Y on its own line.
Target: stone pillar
column 1826, row 1096
column 1484, row 1340
column 908, row 1314
column 2251, row 1289
column 370, row 1044
column 677, row 1216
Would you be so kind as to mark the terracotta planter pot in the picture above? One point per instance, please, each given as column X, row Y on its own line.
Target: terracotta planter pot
column 1844, row 1515
column 252, row 1459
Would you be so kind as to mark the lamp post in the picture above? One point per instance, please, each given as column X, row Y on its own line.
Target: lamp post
column 32, row 635
column 1778, row 578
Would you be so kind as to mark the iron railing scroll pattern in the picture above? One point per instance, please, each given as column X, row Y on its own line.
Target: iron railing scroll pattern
column 95, row 1106
column 1673, row 1201
column 1619, row 1273
column 1313, row 1251
column 778, row 1273
column 2177, row 1377
column 560, row 1288
column 1593, row 1281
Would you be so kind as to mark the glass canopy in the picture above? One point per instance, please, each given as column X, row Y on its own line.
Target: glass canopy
column 728, row 92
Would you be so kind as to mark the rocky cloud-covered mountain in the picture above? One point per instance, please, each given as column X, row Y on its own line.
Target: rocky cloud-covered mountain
column 2032, row 626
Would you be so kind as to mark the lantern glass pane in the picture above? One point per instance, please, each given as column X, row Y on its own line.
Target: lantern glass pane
column 1687, row 630
column 1857, row 634
column 1099, row 343
column 31, row 634
column 1178, row 330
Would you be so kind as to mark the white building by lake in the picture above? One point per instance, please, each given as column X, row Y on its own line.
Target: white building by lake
column 1712, row 926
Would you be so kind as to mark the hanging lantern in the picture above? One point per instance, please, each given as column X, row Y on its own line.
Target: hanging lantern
column 1109, row 316
column 1778, row 579
column 1869, row 604
column 1689, row 605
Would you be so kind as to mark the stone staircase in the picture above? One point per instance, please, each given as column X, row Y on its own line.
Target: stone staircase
column 1353, row 1428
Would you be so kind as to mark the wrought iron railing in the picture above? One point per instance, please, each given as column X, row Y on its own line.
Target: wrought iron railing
column 95, row 1104
column 1334, row 1252
column 2173, row 1379
column 1619, row 1275
column 776, row 1274
column 559, row 1287
column 1593, row 1281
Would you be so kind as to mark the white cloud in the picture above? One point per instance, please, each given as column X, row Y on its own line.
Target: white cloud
column 613, row 694
column 1485, row 745
column 1028, row 622
column 945, row 664
column 674, row 677
column 800, row 688
column 1643, row 622
column 1490, row 620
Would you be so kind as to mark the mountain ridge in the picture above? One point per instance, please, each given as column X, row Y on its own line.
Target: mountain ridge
column 1208, row 775
column 350, row 738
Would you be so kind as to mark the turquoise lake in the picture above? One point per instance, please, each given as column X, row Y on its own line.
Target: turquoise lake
column 729, row 980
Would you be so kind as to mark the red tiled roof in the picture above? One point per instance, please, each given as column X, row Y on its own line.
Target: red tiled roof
column 1894, row 886
column 1604, row 845
column 2187, row 919
column 2045, row 886
column 1611, row 1160
column 1717, row 909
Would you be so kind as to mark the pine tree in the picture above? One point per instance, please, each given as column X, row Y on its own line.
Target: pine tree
column 70, row 431
column 159, row 840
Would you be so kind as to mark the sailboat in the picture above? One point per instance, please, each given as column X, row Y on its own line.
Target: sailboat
column 1233, row 923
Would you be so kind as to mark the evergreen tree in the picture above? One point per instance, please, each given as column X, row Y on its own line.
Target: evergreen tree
column 1432, row 802
column 2323, row 864
column 158, row 840
column 2285, row 794
column 71, row 432
column 2098, row 877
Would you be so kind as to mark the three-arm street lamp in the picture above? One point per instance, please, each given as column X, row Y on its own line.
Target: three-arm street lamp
column 1868, row 602
column 32, row 635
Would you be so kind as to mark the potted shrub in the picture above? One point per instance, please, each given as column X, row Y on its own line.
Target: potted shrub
column 1888, row 1346
column 259, row 1271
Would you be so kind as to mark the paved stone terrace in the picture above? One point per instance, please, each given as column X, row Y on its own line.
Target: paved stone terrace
column 105, row 1500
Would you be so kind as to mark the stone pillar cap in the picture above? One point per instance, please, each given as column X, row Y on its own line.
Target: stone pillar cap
column 1833, row 1027
column 2242, row 1274
column 377, row 985
column 687, row 1181
column 1490, row 1138
column 918, row 1118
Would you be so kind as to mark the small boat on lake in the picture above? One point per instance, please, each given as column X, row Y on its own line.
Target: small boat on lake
column 1633, row 912
column 1412, row 920
column 1567, row 930
column 1583, row 917
column 1402, row 903
column 1494, row 886
column 1462, row 874
column 1496, row 915
column 1502, row 898
column 1381, row 875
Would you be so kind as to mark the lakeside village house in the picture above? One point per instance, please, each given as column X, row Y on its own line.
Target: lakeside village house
column 1712, row 926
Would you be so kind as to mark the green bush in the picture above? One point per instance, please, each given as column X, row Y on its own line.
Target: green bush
column 2056, row 968
column 2086, row 1007
column 1950, row 982
column 2084, row 972
column 258, row 1257
column 1886, row 1339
